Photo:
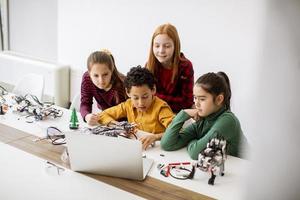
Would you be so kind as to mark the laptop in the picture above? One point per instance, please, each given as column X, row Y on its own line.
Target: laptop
column 111, row 156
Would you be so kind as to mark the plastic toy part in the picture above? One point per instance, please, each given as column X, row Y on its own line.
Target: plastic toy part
column 212, row 158
column 74, row 120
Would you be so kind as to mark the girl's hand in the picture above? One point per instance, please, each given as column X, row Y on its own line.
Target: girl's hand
column 91, row 119
column 147, row 140
column 193, row 113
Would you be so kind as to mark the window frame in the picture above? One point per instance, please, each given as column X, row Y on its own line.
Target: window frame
column 4, row 30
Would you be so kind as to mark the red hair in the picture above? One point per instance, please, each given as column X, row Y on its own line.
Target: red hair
column 153, row 63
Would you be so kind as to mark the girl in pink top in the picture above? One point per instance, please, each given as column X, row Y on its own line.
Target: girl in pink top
column 103, row 82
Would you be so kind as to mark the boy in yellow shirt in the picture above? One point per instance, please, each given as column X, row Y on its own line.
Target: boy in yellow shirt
column 150, row 113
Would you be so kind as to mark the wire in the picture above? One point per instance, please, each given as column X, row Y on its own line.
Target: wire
column 177, row 177
column 188, row 176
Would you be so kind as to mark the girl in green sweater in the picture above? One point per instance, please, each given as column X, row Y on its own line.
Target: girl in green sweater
column 213, row 117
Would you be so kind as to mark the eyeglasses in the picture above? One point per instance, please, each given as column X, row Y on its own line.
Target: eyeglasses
column 56, row 136
column 51, row 168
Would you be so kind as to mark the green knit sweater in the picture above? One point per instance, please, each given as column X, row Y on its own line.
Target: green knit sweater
column 196, row 136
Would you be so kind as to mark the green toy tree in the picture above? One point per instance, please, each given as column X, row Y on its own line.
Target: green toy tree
column 74, row 120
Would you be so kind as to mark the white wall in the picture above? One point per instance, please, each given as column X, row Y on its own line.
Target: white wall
column 215, row 35
column 274, row 173
column 33, row 28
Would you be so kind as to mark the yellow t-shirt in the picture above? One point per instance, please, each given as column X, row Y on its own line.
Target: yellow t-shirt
column 155, row 120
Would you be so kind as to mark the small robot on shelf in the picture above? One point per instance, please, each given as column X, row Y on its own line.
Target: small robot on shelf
column 212, row 158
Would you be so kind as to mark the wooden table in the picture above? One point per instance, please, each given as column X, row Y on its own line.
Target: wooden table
column 150, row 188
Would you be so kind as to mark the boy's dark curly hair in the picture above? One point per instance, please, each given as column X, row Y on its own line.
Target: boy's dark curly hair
column 138, row 76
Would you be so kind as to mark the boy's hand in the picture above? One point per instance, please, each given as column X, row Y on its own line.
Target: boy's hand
column 193, row 113
column 133, row 132
column 112, row 123
column 91, row 119
column 147, row 140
